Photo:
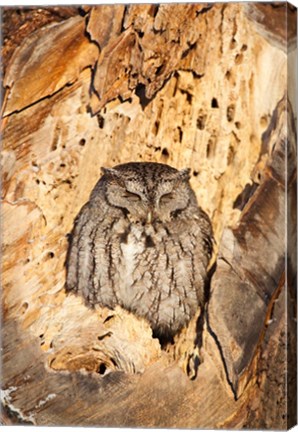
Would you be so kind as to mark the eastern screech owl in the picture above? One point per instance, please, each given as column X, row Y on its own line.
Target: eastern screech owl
column 142, row 242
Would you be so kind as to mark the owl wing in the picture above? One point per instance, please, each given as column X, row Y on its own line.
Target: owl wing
column 79, row 260
column 206, row 233
column 203, row 250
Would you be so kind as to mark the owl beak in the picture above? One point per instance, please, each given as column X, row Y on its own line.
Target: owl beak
column 149, row 217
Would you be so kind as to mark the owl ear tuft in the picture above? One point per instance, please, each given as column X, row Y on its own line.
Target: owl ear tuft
column 184, row 174
column 112, row 174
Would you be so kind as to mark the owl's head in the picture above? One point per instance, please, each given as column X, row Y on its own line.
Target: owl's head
column 148, row 192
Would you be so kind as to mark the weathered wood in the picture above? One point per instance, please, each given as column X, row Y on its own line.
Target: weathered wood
column 35, row 72
column 251, row 279
column 163, row 86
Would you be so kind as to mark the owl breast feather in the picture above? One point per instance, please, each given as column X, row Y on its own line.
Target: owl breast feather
column 156, row 278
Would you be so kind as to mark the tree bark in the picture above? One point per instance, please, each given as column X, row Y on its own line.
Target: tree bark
column 193, row 85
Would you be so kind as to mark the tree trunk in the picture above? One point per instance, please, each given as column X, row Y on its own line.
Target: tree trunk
column 205, row 86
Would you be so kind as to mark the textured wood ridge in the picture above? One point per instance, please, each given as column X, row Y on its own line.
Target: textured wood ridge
column 192, row 85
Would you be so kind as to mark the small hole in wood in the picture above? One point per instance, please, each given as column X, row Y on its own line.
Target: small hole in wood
column 201, row 121
column 102, row 369
column 51, row 254
column 210, row 149
column 180, row 134
column 37, row 181
column 25, row 306
column 82, row 142
column 101, row 121
column 195, row 173
column 230, row 112
column 233, row 43
column 214, row 103
column 108, row 318
column 165, row 152
column 156, row 125
column 238, row 58
column 228, row 75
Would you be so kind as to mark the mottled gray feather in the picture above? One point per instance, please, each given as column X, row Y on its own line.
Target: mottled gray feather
column 142, row 242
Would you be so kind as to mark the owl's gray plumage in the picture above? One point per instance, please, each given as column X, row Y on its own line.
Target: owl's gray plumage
column 142, row 242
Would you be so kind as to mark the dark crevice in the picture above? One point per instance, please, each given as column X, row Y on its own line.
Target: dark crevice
column 243, row 198
column 199, row 329
column 211, row 332
column 141, row 93
column 108, row 318
column 189, row 96
column 160, row 69
column 164, row 339
column 204, row 10
column 180, row 134
column 207, row 285
column 190, row 48
column 125, row 13
column 141, row 90
column 101, row 337
column 44, row 98
column 82, row 12
column 154, row 10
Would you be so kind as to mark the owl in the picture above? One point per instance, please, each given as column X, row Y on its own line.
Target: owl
column 142, row 242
